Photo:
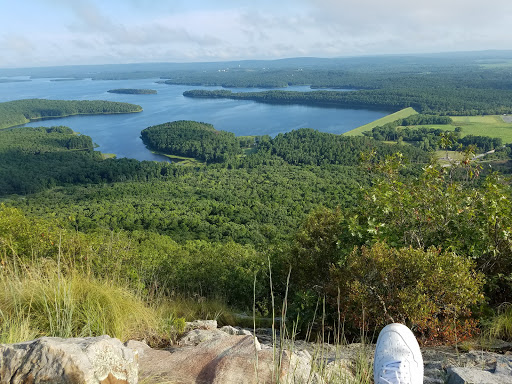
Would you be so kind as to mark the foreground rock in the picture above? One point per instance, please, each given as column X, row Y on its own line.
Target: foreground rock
column 482, row 367
column 222, row 356
column 90, row 360
column 207, row 354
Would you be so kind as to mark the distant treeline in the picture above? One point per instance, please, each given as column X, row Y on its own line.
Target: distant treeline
column 357, row 75
column 20, row 112
column 133, row 91
column 445, row 101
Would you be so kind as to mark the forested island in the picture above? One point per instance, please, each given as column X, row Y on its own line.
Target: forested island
column 19, row 112
column 192, row 139
column 131, row 91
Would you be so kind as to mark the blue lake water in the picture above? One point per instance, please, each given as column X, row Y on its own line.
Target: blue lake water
column 120, row 134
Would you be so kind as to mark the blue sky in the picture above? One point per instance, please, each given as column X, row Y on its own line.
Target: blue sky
column 67, row 32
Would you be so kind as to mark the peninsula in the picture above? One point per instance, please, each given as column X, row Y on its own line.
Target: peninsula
column 18, row 112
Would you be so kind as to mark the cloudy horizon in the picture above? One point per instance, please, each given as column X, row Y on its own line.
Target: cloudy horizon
column 71, row 32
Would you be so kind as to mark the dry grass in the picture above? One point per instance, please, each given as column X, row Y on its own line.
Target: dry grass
column 40, row 301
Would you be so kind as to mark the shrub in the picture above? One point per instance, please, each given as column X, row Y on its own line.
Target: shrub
column 429, row 290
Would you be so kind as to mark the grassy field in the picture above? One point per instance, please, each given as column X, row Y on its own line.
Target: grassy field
column 384, row 120
column 491, row 125
column 506, row 63
column 452, row 156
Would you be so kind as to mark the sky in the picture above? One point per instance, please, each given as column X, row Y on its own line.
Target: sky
column 37, row 33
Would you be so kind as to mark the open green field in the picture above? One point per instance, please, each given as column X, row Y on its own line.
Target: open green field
column 447, row 157
column 490, row 125
column 497, row 65
column 402, row 114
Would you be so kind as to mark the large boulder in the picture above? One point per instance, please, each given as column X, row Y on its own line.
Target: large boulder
column 217, row 357
column 89, row 360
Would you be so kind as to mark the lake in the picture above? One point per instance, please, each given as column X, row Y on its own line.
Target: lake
column 120, row 134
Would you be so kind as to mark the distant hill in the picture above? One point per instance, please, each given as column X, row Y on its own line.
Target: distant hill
column 149, row 70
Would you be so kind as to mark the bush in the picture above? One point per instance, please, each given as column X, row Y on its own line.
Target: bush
column 429, row 290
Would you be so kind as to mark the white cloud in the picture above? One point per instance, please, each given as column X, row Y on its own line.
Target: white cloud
column 144, row 30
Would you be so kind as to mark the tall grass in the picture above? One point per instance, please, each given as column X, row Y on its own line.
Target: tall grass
column 358, row 371
column 500, row 326
column 39, row 300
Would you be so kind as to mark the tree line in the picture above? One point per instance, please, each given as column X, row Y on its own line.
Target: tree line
column 444, row 101
column 19, row 112
column 427, row 138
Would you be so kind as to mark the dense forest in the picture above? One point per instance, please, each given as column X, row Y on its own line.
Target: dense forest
column 34, row 159
column 336, row 225
column 20, row 112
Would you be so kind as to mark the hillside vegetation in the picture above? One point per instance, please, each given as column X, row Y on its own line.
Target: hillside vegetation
column 299, row 200
column 355, row 230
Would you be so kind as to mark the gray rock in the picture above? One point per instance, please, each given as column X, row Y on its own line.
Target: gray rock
column 235, row 331
column 459, row 375
column 201, row 324
column 504, row 366
column 197, row 336
column 138, row 346
column 221, row 360
column 90, row 360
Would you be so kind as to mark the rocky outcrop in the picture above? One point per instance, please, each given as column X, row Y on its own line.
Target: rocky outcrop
column 206, row 354
column 219, row 356
column 90, row 360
